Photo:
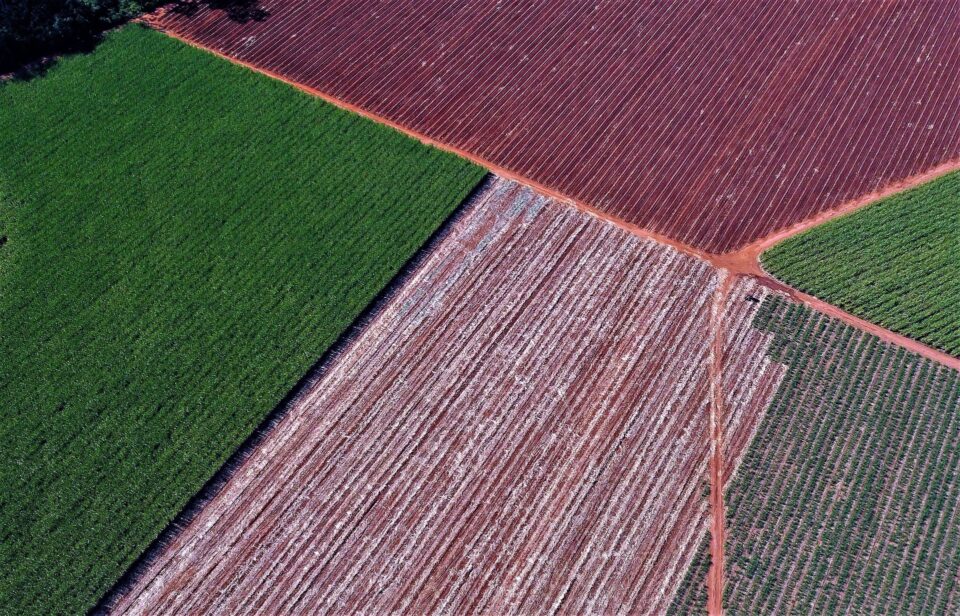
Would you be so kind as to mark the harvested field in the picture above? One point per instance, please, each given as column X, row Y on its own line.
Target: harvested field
column 711, row 123
column 849, row 501
column 524, row 425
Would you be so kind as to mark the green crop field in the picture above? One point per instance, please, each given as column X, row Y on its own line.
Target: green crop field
column 896, row 263
column 846, row 501
column 182, row 240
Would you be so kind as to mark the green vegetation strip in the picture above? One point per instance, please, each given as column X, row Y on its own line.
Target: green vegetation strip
column 846, row 501
column 896, row 263
column 184, row 238
column 691, row 597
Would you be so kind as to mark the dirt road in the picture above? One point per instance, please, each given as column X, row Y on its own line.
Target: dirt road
column 717, row 421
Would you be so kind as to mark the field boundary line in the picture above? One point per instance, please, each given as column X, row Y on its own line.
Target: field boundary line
column 742, row 262
column 731, row 260
column 323, row 364
column 496, row 169
column 886, row 335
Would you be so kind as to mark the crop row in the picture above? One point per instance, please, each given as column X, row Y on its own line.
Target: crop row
column 846, row 502
column 188, row 238
column 691, row 596
column 523, row 426
column 896, row 263
column 713, row 123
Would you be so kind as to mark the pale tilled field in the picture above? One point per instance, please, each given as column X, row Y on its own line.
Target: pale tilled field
column 524, row 425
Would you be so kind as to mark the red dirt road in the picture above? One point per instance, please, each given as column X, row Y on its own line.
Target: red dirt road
column 746, row 261
column 740, row 263
column 525, row 426
column 884, row 334
column 747, row 265
column 753, row 251
column 651, row 220
column 711, row 123
column 743, row 262
column 156, row 21
column 717, row 415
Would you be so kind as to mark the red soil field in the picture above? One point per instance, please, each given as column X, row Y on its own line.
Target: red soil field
column 523, row 427
column 714, row 124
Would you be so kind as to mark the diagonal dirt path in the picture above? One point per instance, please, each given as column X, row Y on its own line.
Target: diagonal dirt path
column 753, row 250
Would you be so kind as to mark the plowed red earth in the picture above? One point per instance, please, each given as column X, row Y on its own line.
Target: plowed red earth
column 714, row 123
column 524, row 427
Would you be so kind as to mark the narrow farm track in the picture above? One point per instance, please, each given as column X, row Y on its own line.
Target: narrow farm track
column 717, row 415
column 155, row 21
column 747, row 263
column 847, row 500
column 751, row 253
column 526, row 424
column 914, row 346
column 715, row 124
column 895, row 263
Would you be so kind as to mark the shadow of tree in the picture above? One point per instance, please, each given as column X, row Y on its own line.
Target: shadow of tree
column 241, row 11
column 28, row 49
column 30, row 64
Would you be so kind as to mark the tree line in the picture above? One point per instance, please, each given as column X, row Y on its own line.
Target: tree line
column 33, row 29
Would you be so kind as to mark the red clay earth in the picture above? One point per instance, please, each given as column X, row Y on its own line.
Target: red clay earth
column 524, row 426
column 712, row 123
column 743, row 261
